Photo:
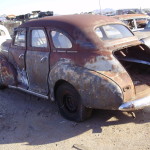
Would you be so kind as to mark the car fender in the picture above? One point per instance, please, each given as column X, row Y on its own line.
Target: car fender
column 95, row 89
column 7, row 72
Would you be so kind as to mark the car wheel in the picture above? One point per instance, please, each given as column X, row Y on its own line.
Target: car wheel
column 70, row 104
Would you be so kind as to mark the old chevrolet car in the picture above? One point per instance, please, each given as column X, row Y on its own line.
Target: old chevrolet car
column 83, row 62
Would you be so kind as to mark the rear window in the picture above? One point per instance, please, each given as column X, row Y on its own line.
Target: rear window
column 113, row 31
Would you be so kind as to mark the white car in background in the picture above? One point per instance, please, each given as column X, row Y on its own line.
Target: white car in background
column 4, row 34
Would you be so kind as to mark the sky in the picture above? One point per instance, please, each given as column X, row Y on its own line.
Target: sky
column 18, row 7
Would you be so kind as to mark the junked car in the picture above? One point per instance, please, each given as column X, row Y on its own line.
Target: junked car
column 137, row 23
column 83, row 62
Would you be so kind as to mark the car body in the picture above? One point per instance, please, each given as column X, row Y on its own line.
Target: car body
column 83, row 62
column 4, row 34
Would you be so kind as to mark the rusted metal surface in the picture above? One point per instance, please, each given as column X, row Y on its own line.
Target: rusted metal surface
column 92, row 86
column 89, row 65
column 7, row 72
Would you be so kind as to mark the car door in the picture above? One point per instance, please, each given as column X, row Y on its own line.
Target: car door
column 17, row 56
column 37, row 60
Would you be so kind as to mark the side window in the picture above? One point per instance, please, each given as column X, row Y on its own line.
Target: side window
column 38, row 38
column 2, row 33
column 60, row 40
column 20, row 38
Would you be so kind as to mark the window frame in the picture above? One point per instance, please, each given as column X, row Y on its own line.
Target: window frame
column 64, row 33
column 14, row 36
column 29, row 45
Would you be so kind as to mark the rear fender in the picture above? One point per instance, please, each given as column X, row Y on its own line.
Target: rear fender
column 96, row 90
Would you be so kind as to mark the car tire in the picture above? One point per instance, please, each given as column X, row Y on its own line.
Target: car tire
column 70, row 103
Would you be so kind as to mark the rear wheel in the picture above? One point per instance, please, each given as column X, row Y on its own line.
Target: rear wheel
column 70, row 104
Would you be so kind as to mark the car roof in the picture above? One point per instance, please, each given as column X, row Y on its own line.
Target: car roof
column 71, row 20
column 80, row 28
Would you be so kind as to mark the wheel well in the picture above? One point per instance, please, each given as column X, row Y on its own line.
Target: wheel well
column 57, row 84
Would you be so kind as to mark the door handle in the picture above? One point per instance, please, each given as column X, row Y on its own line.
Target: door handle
column 43, row 59
column 21, row 56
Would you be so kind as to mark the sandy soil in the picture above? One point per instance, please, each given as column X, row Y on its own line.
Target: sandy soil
column 29, row 123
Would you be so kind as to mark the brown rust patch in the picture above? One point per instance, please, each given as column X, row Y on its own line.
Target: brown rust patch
column 7, row 73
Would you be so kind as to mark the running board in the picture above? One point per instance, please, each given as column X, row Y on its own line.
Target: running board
column 30, row 92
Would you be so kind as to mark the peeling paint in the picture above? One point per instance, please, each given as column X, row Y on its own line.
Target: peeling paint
column 7, row 72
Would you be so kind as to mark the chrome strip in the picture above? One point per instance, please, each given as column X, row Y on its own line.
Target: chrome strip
column 30, row 92
column 65, row 51
column 71, row 51
column 59, row 51
column 136, row 104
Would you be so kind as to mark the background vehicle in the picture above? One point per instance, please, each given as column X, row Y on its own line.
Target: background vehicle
column 137, row 23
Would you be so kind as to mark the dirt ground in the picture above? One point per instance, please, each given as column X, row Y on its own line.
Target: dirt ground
column 29, row 123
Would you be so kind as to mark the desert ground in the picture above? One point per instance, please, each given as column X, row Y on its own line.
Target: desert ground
column 29, row 123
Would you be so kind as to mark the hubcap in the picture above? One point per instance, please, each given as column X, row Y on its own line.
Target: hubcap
column 70, row 103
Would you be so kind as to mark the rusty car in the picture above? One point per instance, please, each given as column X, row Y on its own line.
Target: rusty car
column 83, row 62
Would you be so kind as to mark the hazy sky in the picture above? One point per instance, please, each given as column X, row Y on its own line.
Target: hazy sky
column 66, row 6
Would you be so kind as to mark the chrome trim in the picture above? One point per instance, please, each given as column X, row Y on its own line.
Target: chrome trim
column 72, row 51
column 30, row 92
column 43, row 59
column 136, row 104
column 21, row 56
column 59, row 51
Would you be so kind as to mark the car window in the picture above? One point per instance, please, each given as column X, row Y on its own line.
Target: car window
column 38, row 38
column 130, row 23
column 2, row 33
column 20, row 39
column 113, row 31
column 60, row 40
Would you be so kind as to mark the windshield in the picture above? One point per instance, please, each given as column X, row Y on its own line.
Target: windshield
column 113, row 31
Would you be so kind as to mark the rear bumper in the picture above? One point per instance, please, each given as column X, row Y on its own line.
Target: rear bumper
column 136, row 104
